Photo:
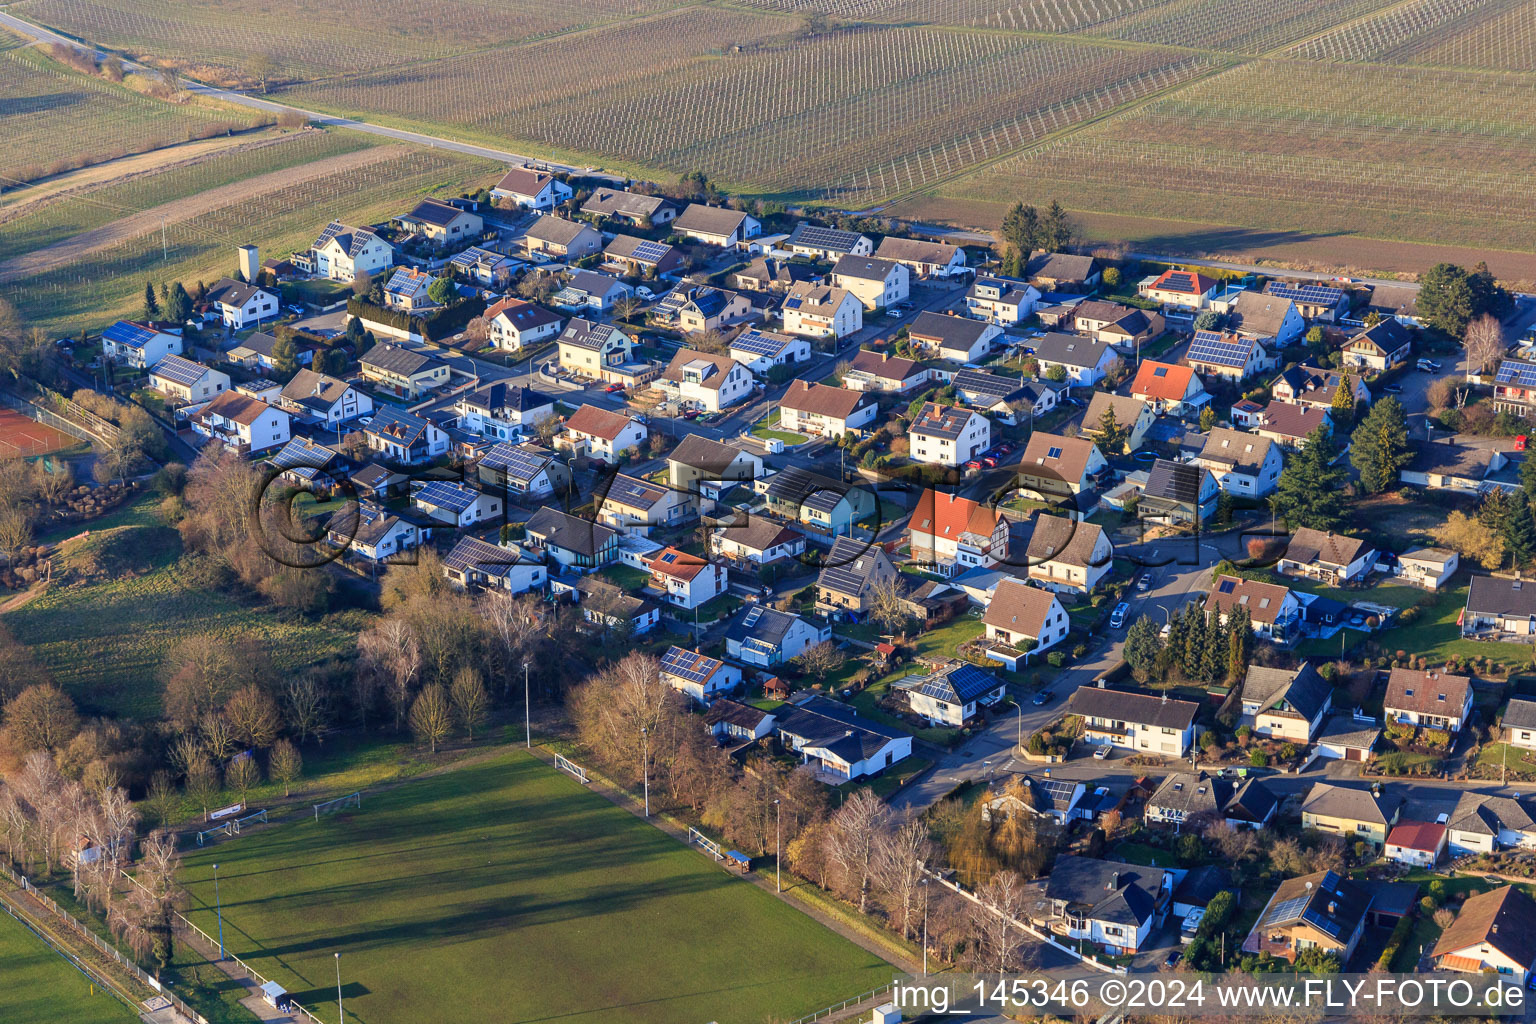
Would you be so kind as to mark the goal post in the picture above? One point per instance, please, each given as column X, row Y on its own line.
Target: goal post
column 573, row 769
column 341, row 802
column 699, row 838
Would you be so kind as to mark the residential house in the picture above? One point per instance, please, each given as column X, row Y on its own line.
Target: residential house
column 404, row 437
column 242, row 424
column 525, row 472
column 371, row 531
column 874, row 282
column 484, row 267
column 475, row 563
column 710, row 309
column 1118, row 906
column 531, row 187
column 1056, row 466
column 925, row 259
column 956, row 338
column 1354, row 812
column 600, row 433
column 1418, row 844
column 403, row 372
column 562, row 239
column 1246, row 465
column 456, row 504
column 1139, row 722
column 407, row 290
column 630, row 207
column 705, row 380
column 1382, row 347
column 1442, row 465
column 1001, row 300
column 756, row 541
column 1330, row 558
column 761, row 351
column 1494, row 932
column 1315, row 387
column 344, row 253
column 1291, row 425
column 588, row 289
column 949, row 534
column 1231, row 356
column 1069, row 556
column 1273, row 610
column 1273, row 319
column 947, row 435
column 1483, row 823
column 736, row 722
column 641, row 257
column 698, row 462
column 185, row 381
column 715, row 225
column 256, row 352
column 823, row 410
column 1501, row 605
column 569, row 541
column 443, row 224
column 1429, row 568
column 1311, row 299
column 849, row 575
column 321, row 398
column 821, row 311
column 829, row 506
column 1169, row 389
column 1323, row 911
column 1195, row 797
column 826, row 243
column 697, row 675
column 1125, row 327
column 138, row 345
column 836, row 742
column 1285, row 704
column 1021, row 621
column 766, row 637
column 502, row 411
column 1131, row 416
column 881, row 371
column 1182, row 289
column 685, row 580
column 632, row 505
column 1518, row 724
column 954, row 694
column 608, row 607
column 768, row 274
column 1085, row 360
column 241, row 305
column 1428, row 699
column 1062, row 271
column 1178, row 493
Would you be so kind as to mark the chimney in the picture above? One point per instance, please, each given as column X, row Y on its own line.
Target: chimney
column 250, row 263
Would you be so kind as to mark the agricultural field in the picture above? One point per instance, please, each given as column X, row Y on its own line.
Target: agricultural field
column 1308, row 147
column 57, row 119
column 42, row 987
column 280, row 211
column 508, row 885
column 104, row 638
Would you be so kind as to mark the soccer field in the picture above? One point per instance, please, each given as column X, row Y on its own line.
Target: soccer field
column 507, row 892
column 37, row 986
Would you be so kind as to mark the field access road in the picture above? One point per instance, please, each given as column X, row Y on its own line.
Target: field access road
column 44, row 35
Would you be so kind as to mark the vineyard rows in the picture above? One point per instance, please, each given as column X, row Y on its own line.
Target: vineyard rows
column 307, row 40
column 109, row 282
column 57, row 120
column 1494, row 34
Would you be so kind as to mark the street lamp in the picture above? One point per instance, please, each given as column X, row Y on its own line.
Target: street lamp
column 527, row 717
column 219, row 904
column 341, row 1013
column 645, row 767
column 778, row 886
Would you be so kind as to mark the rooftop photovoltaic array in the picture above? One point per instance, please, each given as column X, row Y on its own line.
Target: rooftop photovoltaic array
column 1311, row 294
column 1223, row 350
column 446, row 495
column 1513, row 371
column 180, row 371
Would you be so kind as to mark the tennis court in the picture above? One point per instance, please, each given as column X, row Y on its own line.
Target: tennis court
column 21, row 435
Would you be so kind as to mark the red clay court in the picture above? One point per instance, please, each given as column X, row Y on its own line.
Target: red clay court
column 21, row 435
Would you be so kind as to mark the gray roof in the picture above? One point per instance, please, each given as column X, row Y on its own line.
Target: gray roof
column 1140, row 708
column 1352, row 802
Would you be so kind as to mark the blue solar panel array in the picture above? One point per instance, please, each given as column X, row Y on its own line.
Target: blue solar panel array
column 1223, row 350
column 1312, row 294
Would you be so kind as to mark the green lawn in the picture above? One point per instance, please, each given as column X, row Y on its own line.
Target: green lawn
column 104, row 641
column 41, row 987
column 510, row 890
